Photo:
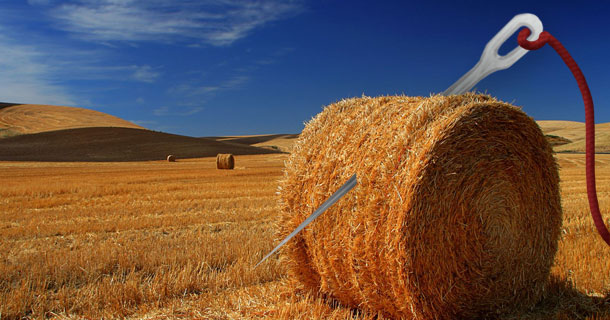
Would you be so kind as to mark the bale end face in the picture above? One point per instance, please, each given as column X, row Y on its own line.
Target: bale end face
column 456, row 213
column 171, row 158
column 225, row 161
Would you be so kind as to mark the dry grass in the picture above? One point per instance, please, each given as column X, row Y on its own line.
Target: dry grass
column 225, row 161
column 112, row 238
column 147, row 240
column 114, row 144
column 34, row 118
column 575, row 133
column 456, row 214
column 281, row 142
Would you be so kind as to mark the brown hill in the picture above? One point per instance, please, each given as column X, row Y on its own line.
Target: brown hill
column 564, row 136
column 281, row 142
column 17, row 119
column 55, row 133
column 556, row 140
column 114, row 144
column 574, row 132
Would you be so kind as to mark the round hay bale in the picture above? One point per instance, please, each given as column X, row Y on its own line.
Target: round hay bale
column 456, row 213
column 171, row 158
column 225, row 161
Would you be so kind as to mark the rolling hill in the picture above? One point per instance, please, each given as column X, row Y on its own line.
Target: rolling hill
column 282, row 142
column 114, row 144
column 53, row 133
column 564, row 136
column 575, row 133
column 17, row 119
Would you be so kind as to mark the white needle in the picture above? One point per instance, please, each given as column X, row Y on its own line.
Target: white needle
column 336, row 196
column 489, row 63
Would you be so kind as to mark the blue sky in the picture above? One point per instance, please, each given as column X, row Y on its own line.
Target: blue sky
column 225, row 67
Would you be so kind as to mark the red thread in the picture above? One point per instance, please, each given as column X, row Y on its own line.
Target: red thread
column 544, row 38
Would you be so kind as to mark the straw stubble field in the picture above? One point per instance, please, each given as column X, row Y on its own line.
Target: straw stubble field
column 162, row 240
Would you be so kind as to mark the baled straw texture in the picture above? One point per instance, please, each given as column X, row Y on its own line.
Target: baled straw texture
column 171, row 158
column 225, row 161
column 456, row 213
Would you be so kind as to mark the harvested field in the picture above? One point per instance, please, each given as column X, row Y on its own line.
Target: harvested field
column 571, row 135
column 282, row 142
column 35, row 118
column 114, row 144
column 148, row 240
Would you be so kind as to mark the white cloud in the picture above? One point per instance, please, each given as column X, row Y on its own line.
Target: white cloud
column 145, row 74
column 188, row 89
column 235, row 82
column 161, row 111
column 209, row 89
column 165, row 111
column 144, row 123
column 218, row 23
column 95, row 68
column 39, row 2
column 27, row 76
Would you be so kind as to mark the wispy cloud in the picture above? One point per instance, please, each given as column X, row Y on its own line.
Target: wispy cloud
column 166, row 111
column 217, row 23
column 190, row 89
column 155, row 125
column 193, row 93
column 144, row 123
column 27, row 77
column 39, row 70
column 39, row 2
column 145, row 74
column 95, row 68
column 272, row 58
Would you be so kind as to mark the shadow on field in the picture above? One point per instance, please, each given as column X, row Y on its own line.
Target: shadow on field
column 563, row 301
column 115, row 144
column 250, row 140
column 8, row 104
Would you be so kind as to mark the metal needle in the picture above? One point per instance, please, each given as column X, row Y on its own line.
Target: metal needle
column 489, row 63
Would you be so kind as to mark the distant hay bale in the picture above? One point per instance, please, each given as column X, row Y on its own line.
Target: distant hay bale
column 456, row 213
column 225, row 161
column 171, row 158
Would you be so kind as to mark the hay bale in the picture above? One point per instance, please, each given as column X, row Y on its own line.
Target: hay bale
column 456, row 213
column 225, row 161
column 171, row 158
